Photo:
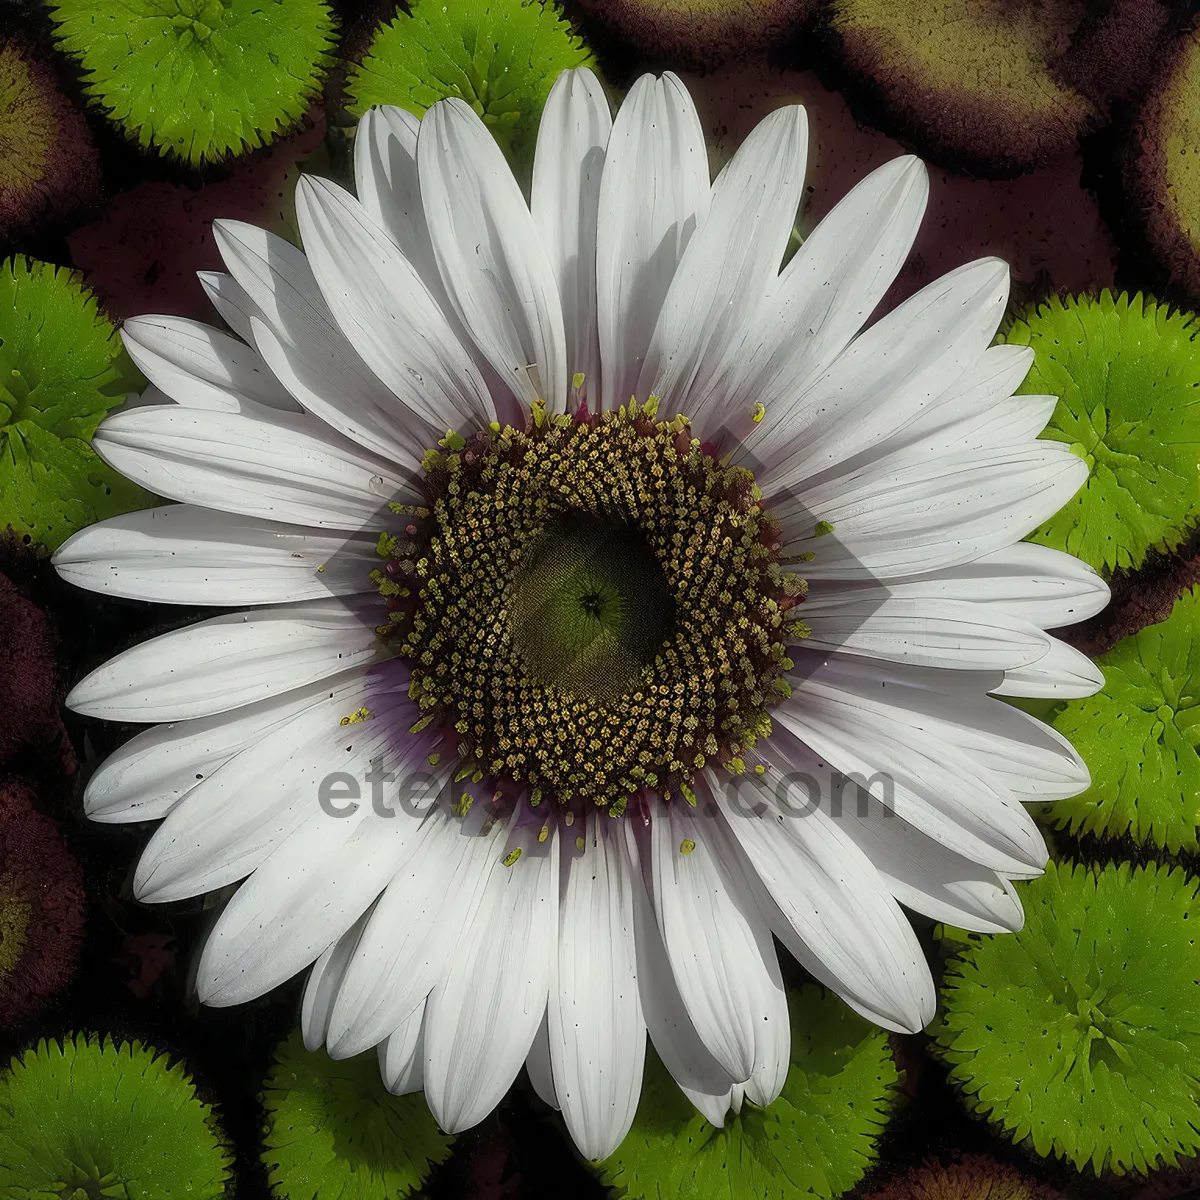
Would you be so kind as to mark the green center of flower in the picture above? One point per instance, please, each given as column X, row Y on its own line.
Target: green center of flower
column 593, row 604
column 590, row 607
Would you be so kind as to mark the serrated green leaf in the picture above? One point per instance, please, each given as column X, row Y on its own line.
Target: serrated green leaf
column 62, row 369
column 1139, row 737
column 500, row 56
column 1082, row 1031
column 199, row 78
column 91, row 1115
column 1126, row 372
column 333, row 1129
column 816, row 1139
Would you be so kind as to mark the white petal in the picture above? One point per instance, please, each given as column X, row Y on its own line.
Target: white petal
column 837, row 918
column 201, row 367
column 417, row 925
column 918, row 871
column 387, row 312
column 729, row 265
column 567, row 168
column 825, row 294
column 1040, row 585
column 228, row 824
column 891, row 373
column 1063, row 673
column 229, row 298
column 402, row 1056
column 653, row 194
column 323, row 370
column 597, row 1035
column 483, row 1014
column 929, row 781
column 277, row 467
column 496, row 271
column 385, row 177
column 230, row 660
column 894, row 520
column 148, row 776
column 323, row 982
column 685, row 1056
column 539, row 1067
column 312, row 887
column 718, row 943
column 924, row 631
column 976, row 412
column 1030, row 758
column 180, row 554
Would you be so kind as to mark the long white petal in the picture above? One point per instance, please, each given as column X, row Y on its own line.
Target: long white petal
column 894, row 520
column 305, row 895
column 825, row 295
column 567, row 168
column 718, row 943
column 228, row 824
column 1032, row 760
column 892, row 372
column 323, row 370
column 729, row 265
column 277, row 467
column 918, row 871
column 1045, row 587
column 149, row 775
column 380, row 303
column 229, row 298
column 924, row 631
column 483, row 1014
column 930, row 782
column 838, row 919
column 385, row 177
column 321, row 987
column 1063, row 673
column 202, row 367
column 597, row 1035
column 406, row 946
column 402, row 1056
column 539, row 1067
column 653, row 194
column 181, row 554
column 705, row 1082
column 230, row 660
column 495, row 268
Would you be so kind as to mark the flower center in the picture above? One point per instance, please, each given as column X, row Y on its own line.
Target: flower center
column 589, row 607
column 595, row 605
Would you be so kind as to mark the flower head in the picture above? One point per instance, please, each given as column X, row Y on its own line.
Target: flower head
column 523, row 740
column 1081, row 1033
column 90, row 1117
column 199, row 79
column 499, row 56
column 62, row 369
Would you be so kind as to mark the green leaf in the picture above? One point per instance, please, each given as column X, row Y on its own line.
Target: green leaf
column 1139, row 737
column 500, row 56
column 1126, row 373
column 1081, row 1033
column 199, row 79
column 816, row 1139
column 333, row 1129
column 106, row 1119
column 62, row 369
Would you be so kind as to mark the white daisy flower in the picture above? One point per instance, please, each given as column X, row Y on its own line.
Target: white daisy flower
column 520, row 740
